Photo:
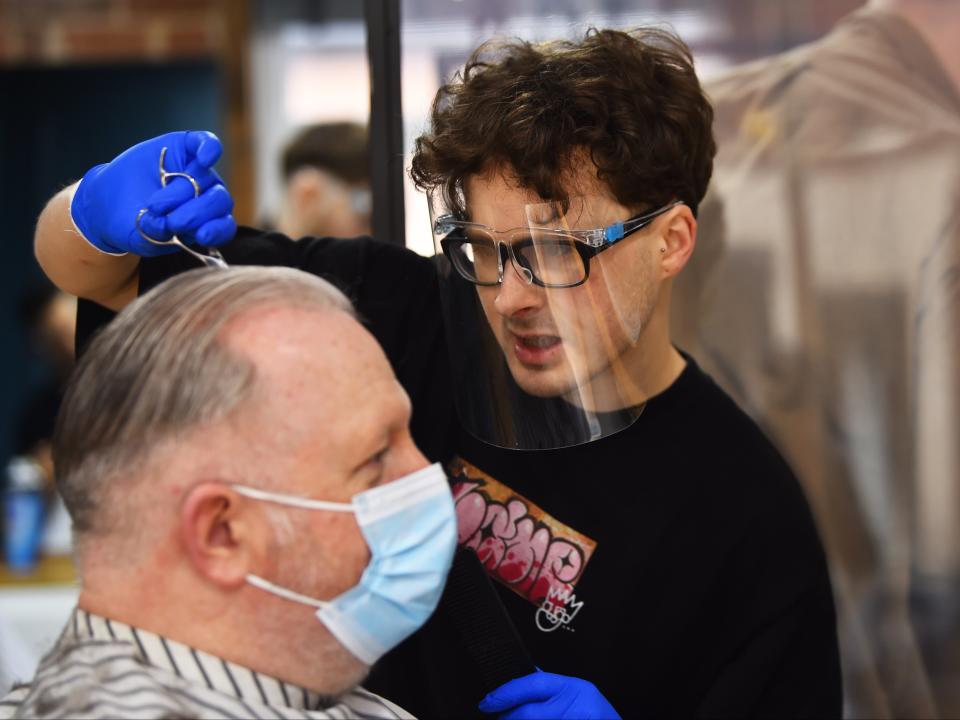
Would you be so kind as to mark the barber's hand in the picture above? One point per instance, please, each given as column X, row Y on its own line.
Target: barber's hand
column 543, row 695
column 110, row 196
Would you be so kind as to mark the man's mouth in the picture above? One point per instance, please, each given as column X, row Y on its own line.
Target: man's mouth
column 536, row 349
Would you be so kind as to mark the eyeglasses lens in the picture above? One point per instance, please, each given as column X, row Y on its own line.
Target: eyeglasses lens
column 551, row 258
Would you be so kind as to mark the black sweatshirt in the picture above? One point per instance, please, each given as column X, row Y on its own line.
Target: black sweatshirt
column 675, row 564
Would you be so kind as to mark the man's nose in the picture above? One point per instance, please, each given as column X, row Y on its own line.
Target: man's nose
column 516, row 294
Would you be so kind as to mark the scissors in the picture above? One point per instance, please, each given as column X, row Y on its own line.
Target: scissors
column 210, row 258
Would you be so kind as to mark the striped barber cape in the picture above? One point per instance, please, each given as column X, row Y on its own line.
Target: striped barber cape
column 100, row 668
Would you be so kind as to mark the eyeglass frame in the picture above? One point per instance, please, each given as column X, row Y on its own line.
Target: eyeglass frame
column 588, row 243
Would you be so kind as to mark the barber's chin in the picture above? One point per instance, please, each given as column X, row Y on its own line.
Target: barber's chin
column 543, row 382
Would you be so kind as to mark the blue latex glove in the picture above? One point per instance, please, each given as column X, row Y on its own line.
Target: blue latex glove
column 544, row 695
column 110, row 196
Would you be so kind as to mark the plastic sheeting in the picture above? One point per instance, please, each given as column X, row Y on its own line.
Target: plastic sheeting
column 825, row 296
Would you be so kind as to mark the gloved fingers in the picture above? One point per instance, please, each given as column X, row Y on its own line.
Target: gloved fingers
column 204, row 174
column 194, row 153
column 535, row 687
column 202, row 150
column 188, row 218
column 216, row 232
column 110, row 196
column 155, row 227
column 565, row 706
column 557, row 708
column 180, row 190
column 189, row 150
column 204, row 146
column 530, row 711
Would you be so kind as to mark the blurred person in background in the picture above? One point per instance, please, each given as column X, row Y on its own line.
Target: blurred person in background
column 50, row 318
column 642, row 531
column 825, row 297
column 326, row 182
column 35, row 521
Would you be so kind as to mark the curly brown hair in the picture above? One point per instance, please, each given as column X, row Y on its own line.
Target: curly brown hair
column 630, row 99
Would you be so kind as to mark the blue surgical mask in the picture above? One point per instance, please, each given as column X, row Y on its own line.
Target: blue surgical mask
column 410, row 526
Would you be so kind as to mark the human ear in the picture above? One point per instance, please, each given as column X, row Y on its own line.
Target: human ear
column 219, row 535
column 677, row 240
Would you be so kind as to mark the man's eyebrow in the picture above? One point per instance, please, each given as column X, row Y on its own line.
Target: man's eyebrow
column 372, row 445
column 397, row 423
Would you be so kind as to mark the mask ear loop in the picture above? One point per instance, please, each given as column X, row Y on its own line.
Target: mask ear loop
column 291, row 500
column 268, row 586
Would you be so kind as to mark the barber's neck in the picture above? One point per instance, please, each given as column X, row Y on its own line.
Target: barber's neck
column 662, row 363
column 643, row 371
column 654, row 364
column 938, row 21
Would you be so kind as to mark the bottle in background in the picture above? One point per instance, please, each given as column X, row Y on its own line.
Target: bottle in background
column 23, row 514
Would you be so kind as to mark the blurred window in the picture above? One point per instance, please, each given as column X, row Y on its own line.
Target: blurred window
column 308, row 65
column 438, row 35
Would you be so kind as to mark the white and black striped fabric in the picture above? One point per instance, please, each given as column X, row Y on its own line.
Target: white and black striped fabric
column 100, row 668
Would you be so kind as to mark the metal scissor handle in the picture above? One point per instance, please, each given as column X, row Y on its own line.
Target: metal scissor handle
column 210, row 258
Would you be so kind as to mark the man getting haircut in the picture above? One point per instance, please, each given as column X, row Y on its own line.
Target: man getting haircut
column 205, row 546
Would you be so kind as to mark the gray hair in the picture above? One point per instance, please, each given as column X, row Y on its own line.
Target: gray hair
column 160, row 369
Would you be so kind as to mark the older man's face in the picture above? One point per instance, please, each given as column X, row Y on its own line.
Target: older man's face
column 329, row 420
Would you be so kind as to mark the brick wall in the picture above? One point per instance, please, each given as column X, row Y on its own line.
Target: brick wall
column 78, row 31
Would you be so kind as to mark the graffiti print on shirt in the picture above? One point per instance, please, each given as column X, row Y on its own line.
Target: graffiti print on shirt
column 557, row 610
column 519, row 544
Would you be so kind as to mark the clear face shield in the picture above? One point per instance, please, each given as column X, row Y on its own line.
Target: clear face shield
column 545, row 326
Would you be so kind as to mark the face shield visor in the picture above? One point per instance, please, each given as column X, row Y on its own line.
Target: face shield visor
column 544, row 325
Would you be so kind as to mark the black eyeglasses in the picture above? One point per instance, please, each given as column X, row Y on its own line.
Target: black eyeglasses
column 545, row 257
